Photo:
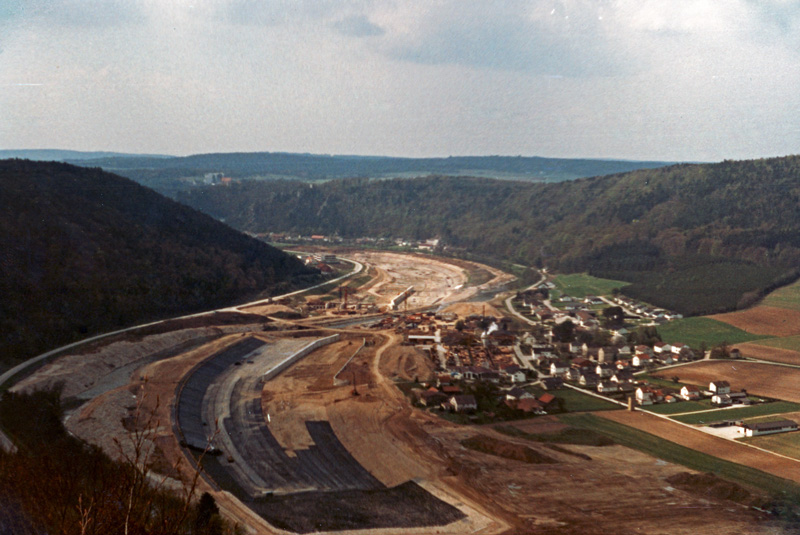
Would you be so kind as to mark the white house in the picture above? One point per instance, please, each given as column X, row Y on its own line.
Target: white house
column 558, row 367
column 720, row 387
column 721, row 399
column 464, row 403
column 690, row 393
column 644, row 396
column 661, row 347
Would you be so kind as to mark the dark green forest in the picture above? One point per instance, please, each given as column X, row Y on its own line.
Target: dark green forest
column 696, row 238
column 84, row 252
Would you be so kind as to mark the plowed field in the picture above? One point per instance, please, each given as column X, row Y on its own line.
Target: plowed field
column 766, row 320
column 772, row 354
column 703, row 442
column 767, row 380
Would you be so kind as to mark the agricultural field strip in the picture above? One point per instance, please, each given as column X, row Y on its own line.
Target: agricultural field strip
column 682, row 453
column 596, row 395
column 669, row 418
column 689, row 426
column 791, row 343
column 739, row 413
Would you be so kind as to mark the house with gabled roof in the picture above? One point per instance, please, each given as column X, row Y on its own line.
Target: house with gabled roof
column 605, row 370
column 528, row 405
column 517, row 393
column 623, row 376
column 558, row 368
column 431, row 398
column 607, row 387
column 552, row 383
column 720, row 387
column 464, row 403
column 547, row 399
column 644, row 395
column 677, row 347
column 581, row 363
column 690, row 392
column 514, row 373
column 589, row 379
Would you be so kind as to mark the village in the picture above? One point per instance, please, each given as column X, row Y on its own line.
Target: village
column 486, row 370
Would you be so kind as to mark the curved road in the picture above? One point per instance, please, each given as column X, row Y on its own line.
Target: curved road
column 8, row 445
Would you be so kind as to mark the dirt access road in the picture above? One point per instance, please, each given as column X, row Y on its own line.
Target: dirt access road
column 584, row 490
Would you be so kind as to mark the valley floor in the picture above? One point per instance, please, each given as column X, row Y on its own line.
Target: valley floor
column 130, row 385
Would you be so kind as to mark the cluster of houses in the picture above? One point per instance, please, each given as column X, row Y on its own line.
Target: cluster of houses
column 719, row 392
column 658, row 315
column 446, row 394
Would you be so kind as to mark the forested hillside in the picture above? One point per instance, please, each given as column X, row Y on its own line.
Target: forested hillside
column 165, row 172
column 83, row 251
column 696, row 238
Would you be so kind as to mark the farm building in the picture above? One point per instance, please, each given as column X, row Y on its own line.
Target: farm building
column 767, row 428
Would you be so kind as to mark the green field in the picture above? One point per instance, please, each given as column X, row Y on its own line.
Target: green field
column 679, row 407
column 694, row 331
column 583, row 284
column 752, row 411
column 786, row 297
column 575, row 401
column 788, row 342
column 784, row 443
column 674, row 453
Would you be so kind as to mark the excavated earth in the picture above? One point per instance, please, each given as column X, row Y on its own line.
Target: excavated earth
column 418, row 477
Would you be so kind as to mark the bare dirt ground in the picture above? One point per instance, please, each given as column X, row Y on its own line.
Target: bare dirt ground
column 771, row 321
column 772, row 354
column 767, row 380
column 396, row 442
column 468, row 309
column 435, row 280
column 406, row 363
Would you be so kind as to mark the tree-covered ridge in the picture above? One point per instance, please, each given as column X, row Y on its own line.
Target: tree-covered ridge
column 83, row 251
column 683, row 223
column 321, row 166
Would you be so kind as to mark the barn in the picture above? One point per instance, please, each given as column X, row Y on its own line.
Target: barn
column 767, row 428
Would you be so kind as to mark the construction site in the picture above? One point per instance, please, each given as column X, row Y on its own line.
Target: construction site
column 300, row 425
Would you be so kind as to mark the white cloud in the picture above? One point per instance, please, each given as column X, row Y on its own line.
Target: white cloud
column 699, row 79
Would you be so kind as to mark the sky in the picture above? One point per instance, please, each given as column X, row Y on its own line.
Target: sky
column 676, row 80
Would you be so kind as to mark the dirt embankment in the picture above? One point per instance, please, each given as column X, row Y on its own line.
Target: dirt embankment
column 407, row 363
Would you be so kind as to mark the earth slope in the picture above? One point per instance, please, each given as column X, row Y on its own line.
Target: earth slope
column 83, row 251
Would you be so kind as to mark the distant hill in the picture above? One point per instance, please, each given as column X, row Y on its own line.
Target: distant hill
column 58, row 155
column 83, row 251
column 171, row 174
column 694, row 238
column 315, row 166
